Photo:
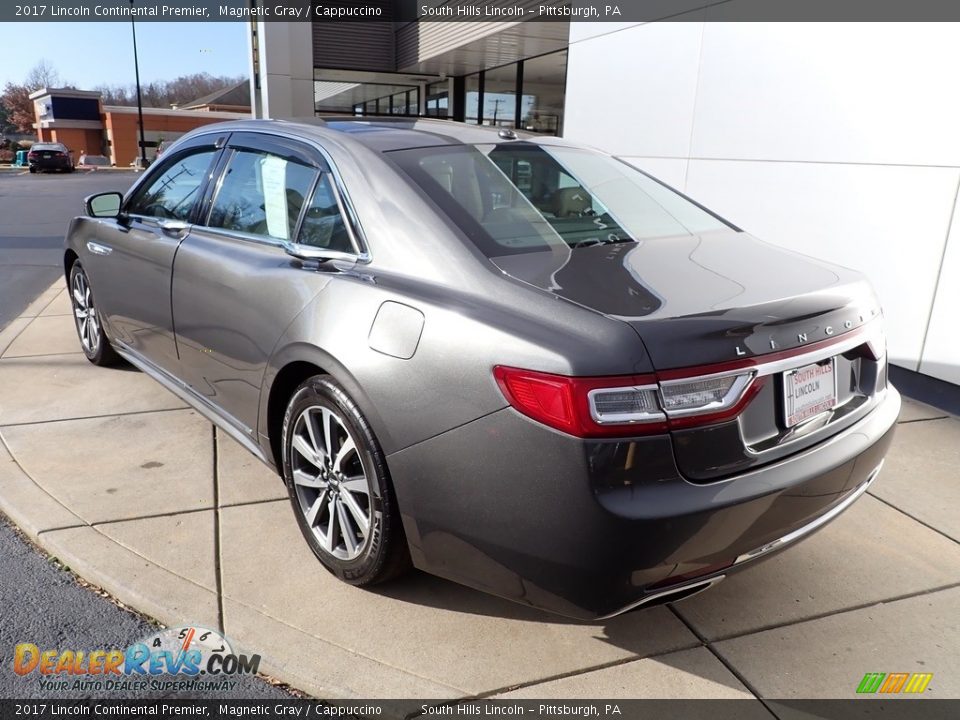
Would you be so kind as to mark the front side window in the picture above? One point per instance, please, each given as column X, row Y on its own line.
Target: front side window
column 522, row 197
column 175, row 191
column 261, row 194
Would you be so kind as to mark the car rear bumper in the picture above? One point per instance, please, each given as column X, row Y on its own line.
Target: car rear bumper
column 50, row 164
column 590, row 529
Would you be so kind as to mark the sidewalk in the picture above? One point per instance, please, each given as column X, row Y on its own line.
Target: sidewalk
column 140, row 495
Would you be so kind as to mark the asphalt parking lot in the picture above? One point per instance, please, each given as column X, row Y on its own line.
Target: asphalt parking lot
column 34, row 212
column 140, row 495
column 40, row 602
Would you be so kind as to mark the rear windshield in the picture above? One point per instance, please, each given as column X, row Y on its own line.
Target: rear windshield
column 47, row 146
column 520, row 197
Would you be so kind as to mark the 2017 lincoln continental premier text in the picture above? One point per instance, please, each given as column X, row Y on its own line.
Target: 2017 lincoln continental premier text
column 513, row 362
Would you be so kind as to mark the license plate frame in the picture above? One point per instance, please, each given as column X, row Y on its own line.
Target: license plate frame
column 817, row 400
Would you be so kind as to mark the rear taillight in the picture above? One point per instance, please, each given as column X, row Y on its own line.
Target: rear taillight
column 625, row 405
column 621, row 406
column 31, row 154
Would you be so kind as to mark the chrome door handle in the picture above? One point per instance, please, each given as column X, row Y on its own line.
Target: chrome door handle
column 172, row 226
column 98, row 249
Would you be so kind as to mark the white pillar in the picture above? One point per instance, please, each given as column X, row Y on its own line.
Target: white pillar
column 286, row 69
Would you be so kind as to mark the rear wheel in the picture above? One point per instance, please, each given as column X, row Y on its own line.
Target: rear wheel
column 89, row 328
column 338, row 483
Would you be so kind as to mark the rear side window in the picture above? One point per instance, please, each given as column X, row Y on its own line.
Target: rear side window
column 323, row 224
column 174, row 192
column 262, row 194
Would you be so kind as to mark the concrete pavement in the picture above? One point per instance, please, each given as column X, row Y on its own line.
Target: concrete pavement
column 141, row 496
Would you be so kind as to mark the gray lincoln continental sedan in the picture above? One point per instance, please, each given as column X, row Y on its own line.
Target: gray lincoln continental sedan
column 507, row 360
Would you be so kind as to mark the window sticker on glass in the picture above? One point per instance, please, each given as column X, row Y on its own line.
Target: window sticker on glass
column 273, row 174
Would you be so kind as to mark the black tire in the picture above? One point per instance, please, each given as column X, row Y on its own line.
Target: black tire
column 33, row 171
column 93, row 340
column 381, row 553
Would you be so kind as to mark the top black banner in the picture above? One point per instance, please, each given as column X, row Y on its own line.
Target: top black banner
column 406, row 11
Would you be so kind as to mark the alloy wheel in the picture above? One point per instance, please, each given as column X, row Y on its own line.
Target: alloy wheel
column 85, row 313
column 330, row 482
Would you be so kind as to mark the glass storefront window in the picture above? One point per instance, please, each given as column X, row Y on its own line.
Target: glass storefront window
column 544, row 86
column 472, row 99
column 500, row 96
column 438, row 100
column 489, row 97
column 339, row 97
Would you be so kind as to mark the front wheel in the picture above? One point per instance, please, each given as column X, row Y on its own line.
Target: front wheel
column 338, row 483
column 93, row 340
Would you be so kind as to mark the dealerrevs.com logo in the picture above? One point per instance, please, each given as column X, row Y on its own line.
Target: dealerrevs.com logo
column 197, row 657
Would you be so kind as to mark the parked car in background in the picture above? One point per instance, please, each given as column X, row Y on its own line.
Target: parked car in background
column 517, row 363
column 49, row 156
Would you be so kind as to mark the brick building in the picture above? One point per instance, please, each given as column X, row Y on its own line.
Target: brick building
column 79, row 120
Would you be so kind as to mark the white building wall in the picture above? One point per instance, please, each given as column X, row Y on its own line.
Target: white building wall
column 837, row 140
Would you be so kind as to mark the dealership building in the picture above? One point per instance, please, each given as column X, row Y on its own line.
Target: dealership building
column 835, row 140
column 79, row 120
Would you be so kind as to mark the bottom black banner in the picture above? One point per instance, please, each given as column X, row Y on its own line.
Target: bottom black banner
column 885, row 709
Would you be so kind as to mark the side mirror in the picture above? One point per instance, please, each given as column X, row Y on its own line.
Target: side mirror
column 103, row 205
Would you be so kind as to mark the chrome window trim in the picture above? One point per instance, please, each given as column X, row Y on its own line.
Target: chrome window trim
column 352, row 220
column 228, row 154
column 242, row 236
column 151, row 171
column 285, row 245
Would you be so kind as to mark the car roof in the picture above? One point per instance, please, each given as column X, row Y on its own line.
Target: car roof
column 387, row 134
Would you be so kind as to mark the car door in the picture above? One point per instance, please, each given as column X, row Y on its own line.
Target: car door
column 132, row 274
column 235, row 288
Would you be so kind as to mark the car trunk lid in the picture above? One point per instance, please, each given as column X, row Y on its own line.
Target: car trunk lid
column 710, row 301
column 697, row 300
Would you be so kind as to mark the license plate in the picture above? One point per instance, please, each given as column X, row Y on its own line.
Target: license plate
column 809, row 391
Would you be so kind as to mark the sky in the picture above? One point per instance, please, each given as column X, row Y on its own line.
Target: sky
column 90, row 54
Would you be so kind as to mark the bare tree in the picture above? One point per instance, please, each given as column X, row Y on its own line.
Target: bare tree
column 163, row 93
column 42, row 75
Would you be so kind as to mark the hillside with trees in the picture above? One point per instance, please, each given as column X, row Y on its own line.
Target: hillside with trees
column 16, row 108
